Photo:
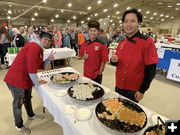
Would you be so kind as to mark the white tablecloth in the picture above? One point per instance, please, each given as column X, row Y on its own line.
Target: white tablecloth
column 61, row 53
column 160, row 45
column 71, row 126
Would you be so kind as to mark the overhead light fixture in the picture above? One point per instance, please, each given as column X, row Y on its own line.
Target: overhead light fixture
column 151, row 18
column 95, row 14
column 161, row 15
column 62, row 11
column 108, row 16
column 68, row 21
column 57, row 16
column 178, row 4
column 176, row 8
column 100, row 19
column 74, row 17
column 128, row 8
column 155, row 14
column 113, row 24
column 32, row 19
column 70, row 4
column 88, row 18
column 82, row 22
column 172, row 17
column 162, row 20
column 169, row 6
column 139, row 10
column 159, row 3
column 120, row 21
column 52, row 20
column 167, row 16
column 99, row 1
column 35, row 14
column 117, row 12
column 44, row 1
column 9, row 17
column 89, row 7
column 111, row 20
column 144, row 16
column 147, row 12
column 9, row 12
column 115, row 5
column 105, row 10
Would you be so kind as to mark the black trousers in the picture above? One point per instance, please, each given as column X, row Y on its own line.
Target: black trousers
column 98, row 79
column 127, row 93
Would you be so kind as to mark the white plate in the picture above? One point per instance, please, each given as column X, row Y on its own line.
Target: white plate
column 83, row 114
column 60, row 93
column 70, row 109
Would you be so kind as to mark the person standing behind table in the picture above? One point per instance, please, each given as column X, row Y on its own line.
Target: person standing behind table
column 94, row 53
column 18, row 39
column 57, row 37
column 135, row 59
column 22, row 75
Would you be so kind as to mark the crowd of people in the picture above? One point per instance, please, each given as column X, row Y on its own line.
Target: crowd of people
column 135, row 59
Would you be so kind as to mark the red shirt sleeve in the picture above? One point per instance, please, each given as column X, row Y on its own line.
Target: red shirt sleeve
column 34, row 58
column 150, row 53
column 82, row 50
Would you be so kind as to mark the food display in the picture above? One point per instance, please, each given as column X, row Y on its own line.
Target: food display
column 64, row 77
column 85, row 91
column 155, row 130
column 121, row 115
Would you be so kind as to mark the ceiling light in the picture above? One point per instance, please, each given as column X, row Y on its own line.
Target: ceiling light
column 88, row 18
column 105, row 10
column 32, row 19
column 44, row 1
column 113, row 24
column 70, row 4
column 161, row 15
column 10, row 5
column 99, row 1
column 151, row 18
column 176, row 8
column 167, row 16
column 128, row 8
column 139, row 10
column 108, row 16
column 111, row 20
column 172, row 17
column 9, row 12
column 117, row 12
column 159, row 3
column 52, row 20
column 147, row 12
column 82, row 22
column 104, row 23
column 115, row 5
column 169, row 6
column 35, row 14
column 95, row 14
column 8, row 17
column 100, row 19
column 68, row 21
column 74, row 17
column 155, row 14
column 62, row 11
column 89, row 7
column 162, row 20
column 178, row 4
column 57, row 16
column 120, row 21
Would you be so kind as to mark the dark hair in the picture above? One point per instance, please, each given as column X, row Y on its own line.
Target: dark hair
column 135, row 11
column 94, row 24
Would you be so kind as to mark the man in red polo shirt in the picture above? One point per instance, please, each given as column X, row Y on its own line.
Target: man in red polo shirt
column 22, row 75
column 94, row 53
column 135, row 59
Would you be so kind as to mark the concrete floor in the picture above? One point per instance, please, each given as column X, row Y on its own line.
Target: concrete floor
column 163, row 97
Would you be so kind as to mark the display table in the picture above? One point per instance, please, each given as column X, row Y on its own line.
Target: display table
column 172, row 47
column 61, row 53
column 71, row 126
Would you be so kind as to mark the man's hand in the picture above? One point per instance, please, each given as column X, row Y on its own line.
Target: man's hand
column 51, row 56
column 114, row 58
column 138, row 96
column 85, row 56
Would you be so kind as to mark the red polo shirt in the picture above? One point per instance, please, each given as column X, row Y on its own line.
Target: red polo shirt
column 97, row 53
column 28, row 60
column 133, row 54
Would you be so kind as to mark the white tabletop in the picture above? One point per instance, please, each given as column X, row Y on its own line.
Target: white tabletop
column 61, row 53
column 56, row 106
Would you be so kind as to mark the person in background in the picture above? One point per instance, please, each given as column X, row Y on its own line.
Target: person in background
column 66, row 39
column 94, row 53
column 22, row 31
column 5, row 42
column 18, row 39
column 135, row 59
column 31, row 35
column 57, row 37
column 22, row 76
column 72, row 34
column 81, row 38
column 103, row 38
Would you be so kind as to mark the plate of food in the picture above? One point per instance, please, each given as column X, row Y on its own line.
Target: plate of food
column 155, row 130
column 64, row 77
column 121, row 115
column 85, row 91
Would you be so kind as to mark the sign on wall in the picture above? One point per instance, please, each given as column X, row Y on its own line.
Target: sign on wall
column 174, row 70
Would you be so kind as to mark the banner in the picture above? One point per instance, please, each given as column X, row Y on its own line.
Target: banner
column 174, row 70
